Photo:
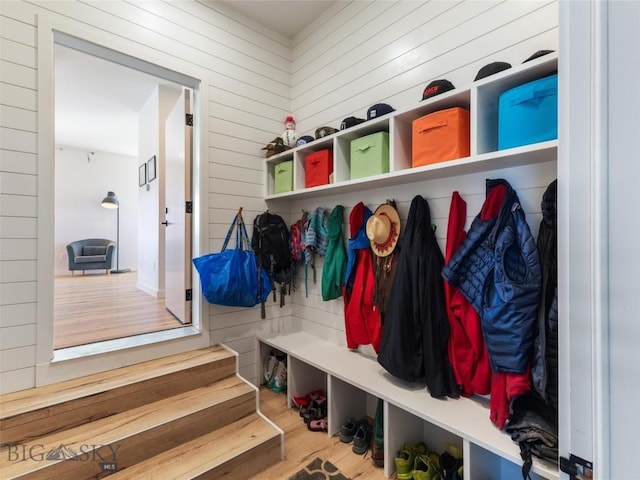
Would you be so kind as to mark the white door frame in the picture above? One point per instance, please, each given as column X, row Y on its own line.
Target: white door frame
column 112, row 354
column 598, row 205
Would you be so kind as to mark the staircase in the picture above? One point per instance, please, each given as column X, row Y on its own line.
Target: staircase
column 185, row 416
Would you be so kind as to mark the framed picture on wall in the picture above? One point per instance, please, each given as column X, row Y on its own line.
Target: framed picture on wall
column 151, row 169
column 142, row 174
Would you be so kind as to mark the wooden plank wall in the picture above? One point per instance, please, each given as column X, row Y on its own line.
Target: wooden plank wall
column 362, row 53
column 249, row 73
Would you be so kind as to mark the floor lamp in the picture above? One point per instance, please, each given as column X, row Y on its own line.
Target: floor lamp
column 111, row 201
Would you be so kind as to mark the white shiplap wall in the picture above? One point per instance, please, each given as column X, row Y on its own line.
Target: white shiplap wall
column 354, row 55
column 249, row 82
column 362, row 53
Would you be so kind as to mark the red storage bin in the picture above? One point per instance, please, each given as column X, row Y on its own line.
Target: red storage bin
column 318, row 167
column 440, row 136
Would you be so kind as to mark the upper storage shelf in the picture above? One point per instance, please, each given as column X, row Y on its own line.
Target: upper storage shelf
column 480, row 98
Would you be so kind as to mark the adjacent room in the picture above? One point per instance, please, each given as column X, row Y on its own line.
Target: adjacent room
column 109, row 184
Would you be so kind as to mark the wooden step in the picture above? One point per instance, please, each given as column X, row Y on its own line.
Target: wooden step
column 39, row 411
column 133, row 435
column 237, row 451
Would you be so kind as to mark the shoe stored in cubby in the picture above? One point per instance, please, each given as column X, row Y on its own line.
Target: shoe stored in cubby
column 354, row 383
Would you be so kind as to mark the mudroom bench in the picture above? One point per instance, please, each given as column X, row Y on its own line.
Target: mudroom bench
column 354, row 382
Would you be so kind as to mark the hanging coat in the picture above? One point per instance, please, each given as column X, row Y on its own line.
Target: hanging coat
column 416, row 331
column 335, row 260
column 361, row 318
column 544, row 369
column 497, row 269
column 467, row 350
column 316, row 238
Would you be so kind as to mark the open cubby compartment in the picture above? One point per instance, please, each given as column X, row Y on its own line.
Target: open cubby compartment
column 302, row 379
column 263, row 351
column 402, row 124
column 484, row 111
column 481, row 464
column 342, row 146
column 272, row 162
column 299, row 168
column 347, row 401
column 403, row 427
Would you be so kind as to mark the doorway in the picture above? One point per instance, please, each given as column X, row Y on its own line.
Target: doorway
column 110, row 139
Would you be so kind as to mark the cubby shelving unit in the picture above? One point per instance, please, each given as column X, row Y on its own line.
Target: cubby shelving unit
column 355, row 381
column 481, row 98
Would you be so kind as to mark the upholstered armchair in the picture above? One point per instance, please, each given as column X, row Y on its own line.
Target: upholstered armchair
column 90, row 254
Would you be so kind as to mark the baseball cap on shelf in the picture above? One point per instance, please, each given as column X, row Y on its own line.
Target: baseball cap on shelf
column 351, row 122
column 436, row 88
column 325, row 132
column 539, row 53
column 304, row 140
column 378, row 110
column 491, row 69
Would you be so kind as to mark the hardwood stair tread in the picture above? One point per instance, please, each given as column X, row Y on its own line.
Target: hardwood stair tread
column 110, row 430
column 194, row 458
column 16, row 403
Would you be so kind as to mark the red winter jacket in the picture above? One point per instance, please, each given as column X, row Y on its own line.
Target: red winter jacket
column 467, row 350
column 361, row 317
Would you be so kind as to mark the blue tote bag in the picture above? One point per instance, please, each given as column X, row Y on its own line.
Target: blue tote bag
column 232, row 277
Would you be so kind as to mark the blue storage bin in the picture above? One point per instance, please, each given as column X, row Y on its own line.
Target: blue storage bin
column 528, row 113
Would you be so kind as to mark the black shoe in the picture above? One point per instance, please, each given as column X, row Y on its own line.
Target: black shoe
column 449, row 466
column 362, row 439
column 348, row 430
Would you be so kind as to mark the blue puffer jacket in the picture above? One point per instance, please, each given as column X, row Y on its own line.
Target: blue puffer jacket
column 498, row 270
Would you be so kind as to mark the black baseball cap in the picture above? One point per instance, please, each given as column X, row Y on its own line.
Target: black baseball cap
column 491, row 69
column 351, row 122
column 378, row 110
column 436, row 88
column 539, row 53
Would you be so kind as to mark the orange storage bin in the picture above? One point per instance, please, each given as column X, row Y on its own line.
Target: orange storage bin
column 318, row 168
column 440, row 136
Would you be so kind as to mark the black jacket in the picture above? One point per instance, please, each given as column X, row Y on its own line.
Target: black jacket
column 416, row 330
column 544, row 369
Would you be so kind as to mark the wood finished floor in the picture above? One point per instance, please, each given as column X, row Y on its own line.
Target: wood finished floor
column 302, row 445
column 96, row 307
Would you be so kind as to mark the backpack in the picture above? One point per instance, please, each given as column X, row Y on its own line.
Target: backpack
column 270, row 242
column 298, row 246
column 298, row 233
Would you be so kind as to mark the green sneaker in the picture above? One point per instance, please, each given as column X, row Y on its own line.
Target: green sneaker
column 404, row 462
column 421, row 448
column 424, row 468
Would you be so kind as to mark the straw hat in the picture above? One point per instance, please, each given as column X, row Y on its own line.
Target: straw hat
column 383, row 230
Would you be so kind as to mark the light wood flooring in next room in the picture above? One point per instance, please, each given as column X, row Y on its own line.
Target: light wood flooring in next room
column 96, row 307
column 302, row 446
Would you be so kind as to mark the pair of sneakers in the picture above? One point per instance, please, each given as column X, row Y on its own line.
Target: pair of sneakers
column 275, row 371
column 359, row 432
column 416, row 462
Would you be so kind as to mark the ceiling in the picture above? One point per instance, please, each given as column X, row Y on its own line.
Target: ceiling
column 97, row 101
column 285, row 17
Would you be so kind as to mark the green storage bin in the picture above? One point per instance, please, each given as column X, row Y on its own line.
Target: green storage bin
column 370, row 155
column 284, row 177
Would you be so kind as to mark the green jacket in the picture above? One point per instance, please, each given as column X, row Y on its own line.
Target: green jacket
column 335, row 260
